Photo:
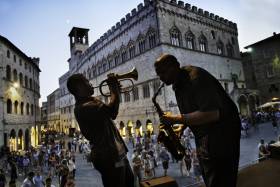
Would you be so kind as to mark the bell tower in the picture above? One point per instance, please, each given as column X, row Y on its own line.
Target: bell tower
column 78, row 40
column 78, row 44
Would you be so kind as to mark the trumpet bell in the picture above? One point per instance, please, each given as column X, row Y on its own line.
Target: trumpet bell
column 133, row 74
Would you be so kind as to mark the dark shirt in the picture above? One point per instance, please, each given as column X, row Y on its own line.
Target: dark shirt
column 198, row 90
column 96, row 124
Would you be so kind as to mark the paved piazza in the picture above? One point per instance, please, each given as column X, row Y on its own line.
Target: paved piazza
column 87, row 176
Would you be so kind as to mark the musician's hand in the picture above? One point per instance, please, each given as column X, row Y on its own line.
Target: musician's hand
column 172, row 119
column 113, row 82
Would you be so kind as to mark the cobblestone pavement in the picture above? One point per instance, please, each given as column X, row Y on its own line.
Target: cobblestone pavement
column 87, row 176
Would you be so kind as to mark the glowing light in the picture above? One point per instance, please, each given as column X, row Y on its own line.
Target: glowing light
column 275, row 99
column 15, row 85
column 250, row 49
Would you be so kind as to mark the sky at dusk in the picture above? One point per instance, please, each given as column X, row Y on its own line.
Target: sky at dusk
column 41, row 28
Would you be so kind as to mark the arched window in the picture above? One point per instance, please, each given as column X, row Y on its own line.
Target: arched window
column 26, row 81
column 175, row 36
column 8, row 72
column 110, row 61
column 202, row 43
column 27, row 109
column 30, row 83
column 32, row 109
column 141, row 43
column 16, row 107
column 20, row 79
column 190, row 38
column 146, row 91
column 8, row 53
column 220, row 48
column 93, row 71
column 21, row 108
column 135, row 93
column 105, row 67
column 230, row 51
column 100, row 69
column 15, row 75
column 126, row 96
column 116, row 57
column 124, row 54
column 152, row 38
column 9, row 106
column 89, row 73
column 131, row 49
column 34, row 84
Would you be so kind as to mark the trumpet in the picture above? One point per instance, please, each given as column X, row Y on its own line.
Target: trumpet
column 132, row 74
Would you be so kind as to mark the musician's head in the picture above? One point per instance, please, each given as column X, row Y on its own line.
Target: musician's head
column 167, row 68
column 79, row 86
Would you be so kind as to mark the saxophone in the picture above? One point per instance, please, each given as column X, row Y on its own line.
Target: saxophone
column 166, row 134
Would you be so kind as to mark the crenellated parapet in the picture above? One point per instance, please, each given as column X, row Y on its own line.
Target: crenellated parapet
column 130, row 18
column 120, row 26
column 200, row 12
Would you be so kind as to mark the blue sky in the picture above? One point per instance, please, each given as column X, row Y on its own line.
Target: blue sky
column 40, row 28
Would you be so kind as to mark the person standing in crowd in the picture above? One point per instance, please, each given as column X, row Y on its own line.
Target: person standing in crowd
column 49, row 182
column 95, row 120
column 188, row 161
column 14, row 174
column 26, row 163
column 2, row 178
column 137, row 166
column 38, row 180
column 165, row 160
column 70, row 182
column 12, row 183
column 274, row 122
column 63, row 173
column 72, row 167
column 206, row 108
column 263, row 151
column 28, row 181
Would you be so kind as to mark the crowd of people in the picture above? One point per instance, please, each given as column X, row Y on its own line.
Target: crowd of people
column 258, row 117
column 149, row 155
column 55, row 160
column 39, row 167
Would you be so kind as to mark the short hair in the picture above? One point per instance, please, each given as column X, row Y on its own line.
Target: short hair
column 48, row 179
column 166, row 59
column 31, row 174
column 73, row 82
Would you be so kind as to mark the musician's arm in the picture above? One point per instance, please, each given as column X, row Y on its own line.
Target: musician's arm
column 193, row 118
column 114, row 88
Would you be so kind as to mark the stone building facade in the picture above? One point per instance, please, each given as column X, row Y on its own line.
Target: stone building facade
column 19, row 97
column 67, row 118
column 262, row 67
column 53, row 115
column 193, row 35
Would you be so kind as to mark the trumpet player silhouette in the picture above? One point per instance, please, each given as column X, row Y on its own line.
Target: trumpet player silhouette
column 95, row 120
column 210, row 113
